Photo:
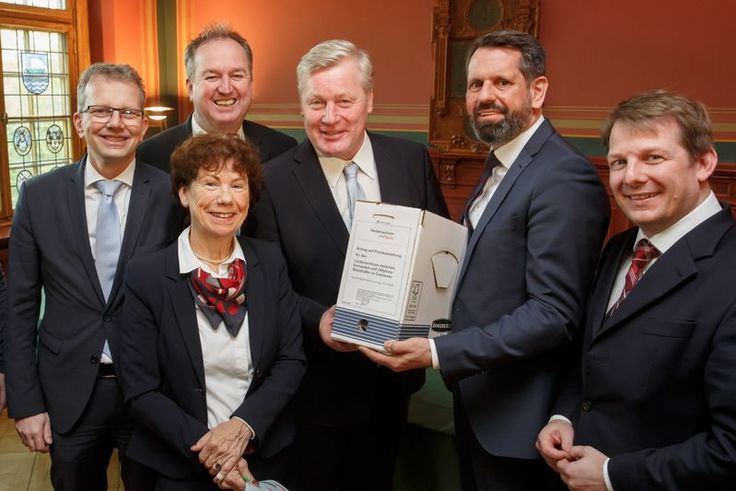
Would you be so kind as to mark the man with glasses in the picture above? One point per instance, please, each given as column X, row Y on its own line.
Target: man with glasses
column 73, row 232
column 219, row 66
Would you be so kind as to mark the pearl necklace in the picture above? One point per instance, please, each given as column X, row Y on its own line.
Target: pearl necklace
column 214, row 261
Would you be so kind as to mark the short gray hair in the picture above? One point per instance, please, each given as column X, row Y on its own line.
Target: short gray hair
column 117, row 72
column 329, row 53
column 213, row 32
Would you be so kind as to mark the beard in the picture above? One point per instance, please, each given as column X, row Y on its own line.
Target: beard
column 502, row 132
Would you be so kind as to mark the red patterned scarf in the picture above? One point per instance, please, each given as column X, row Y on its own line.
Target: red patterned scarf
column 221, row 299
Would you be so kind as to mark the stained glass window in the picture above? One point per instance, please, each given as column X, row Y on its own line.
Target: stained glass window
column 36, row 85
column 49, row 4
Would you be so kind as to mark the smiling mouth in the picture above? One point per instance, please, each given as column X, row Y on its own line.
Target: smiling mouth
column 114, row 139
column 224, row 102
column 222, row 215
column 641, row 196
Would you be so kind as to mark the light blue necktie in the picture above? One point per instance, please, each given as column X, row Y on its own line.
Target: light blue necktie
column 107, row 240
column 355, row 192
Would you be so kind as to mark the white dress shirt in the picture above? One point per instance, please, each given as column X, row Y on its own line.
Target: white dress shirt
column 93, row 197
column 198, row 130
column 332, row 168
column 506, row 154
column 228, row 365
column 664, row 240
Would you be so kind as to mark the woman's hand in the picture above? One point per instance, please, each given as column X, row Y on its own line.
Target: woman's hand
column 222, row 447
column 238, row 478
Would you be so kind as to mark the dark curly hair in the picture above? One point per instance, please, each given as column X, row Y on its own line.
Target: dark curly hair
column 211, row 152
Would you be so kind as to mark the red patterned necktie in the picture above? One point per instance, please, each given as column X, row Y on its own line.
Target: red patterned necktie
column 643, row 254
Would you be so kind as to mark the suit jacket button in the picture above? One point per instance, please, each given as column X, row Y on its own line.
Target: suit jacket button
column 587, row 406
column 107, row 318
column 94, row 359
column 259, row 374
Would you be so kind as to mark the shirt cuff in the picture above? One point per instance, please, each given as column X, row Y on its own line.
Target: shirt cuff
column 560, row 417
column 435, row 358
column 606, row 478
column 250, row 428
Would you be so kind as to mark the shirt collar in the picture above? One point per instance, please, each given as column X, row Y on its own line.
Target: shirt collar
column 198, row 130
column 333, row 166
column 667, row 238
column 508, row 152
column 188, row 262
column 91, row 176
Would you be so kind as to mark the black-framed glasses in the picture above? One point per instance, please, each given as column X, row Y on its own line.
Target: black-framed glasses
column 104, row 113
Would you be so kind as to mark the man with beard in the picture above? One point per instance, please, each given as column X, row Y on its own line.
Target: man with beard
column 537, row 218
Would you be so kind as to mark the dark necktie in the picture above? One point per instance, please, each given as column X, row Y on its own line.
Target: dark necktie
column 643, row 255
column 491, row 163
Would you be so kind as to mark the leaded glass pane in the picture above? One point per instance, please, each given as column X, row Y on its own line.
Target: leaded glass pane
column 36, row 83
column 49, row 4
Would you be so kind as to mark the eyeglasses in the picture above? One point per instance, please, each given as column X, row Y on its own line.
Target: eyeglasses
column 104, row 113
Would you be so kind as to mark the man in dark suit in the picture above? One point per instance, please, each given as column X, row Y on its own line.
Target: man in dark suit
column 72, row 237
column 653, row 403
column 350, row 412
column 537, row 219
column 3, row 320
column 219, row 65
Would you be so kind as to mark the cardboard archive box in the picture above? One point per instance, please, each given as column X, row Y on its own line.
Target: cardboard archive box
column 400, row 274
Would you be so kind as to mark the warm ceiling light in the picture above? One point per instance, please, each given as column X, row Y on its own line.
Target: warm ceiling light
column 158, row 109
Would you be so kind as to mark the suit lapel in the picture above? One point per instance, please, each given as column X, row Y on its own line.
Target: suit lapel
column 78, row 218
column 522, row 162
column 254, row 289
column 671, row 269
column 391, row 178
column 137, row 207
column 182, row 304
column 674, row 267
column 606, row 277
column 311, row 180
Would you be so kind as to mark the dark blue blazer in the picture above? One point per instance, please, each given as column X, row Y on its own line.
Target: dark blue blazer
column 162, row 370
column 3, row 318
column 298, row 210
column 52, row 366
column 657, row 387
column 521, row 293
column 158, row 149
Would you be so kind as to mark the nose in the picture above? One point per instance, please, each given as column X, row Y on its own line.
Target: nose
column 225, row 195
column 225, row 85
column 115, row 120
column 634, row 173
column 329, row 114
column 487, row 93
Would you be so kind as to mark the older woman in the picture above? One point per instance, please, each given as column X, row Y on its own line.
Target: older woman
column 211, row 344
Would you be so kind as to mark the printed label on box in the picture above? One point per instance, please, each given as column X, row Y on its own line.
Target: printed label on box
column 415, row 294
column 377, row 268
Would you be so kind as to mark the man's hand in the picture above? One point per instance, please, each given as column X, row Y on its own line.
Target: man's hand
column 325, row 331
column 554, row 442
column 584, row 470
column 402, row 355
column 35, row 432
column 221, row 448
column 2, row 392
